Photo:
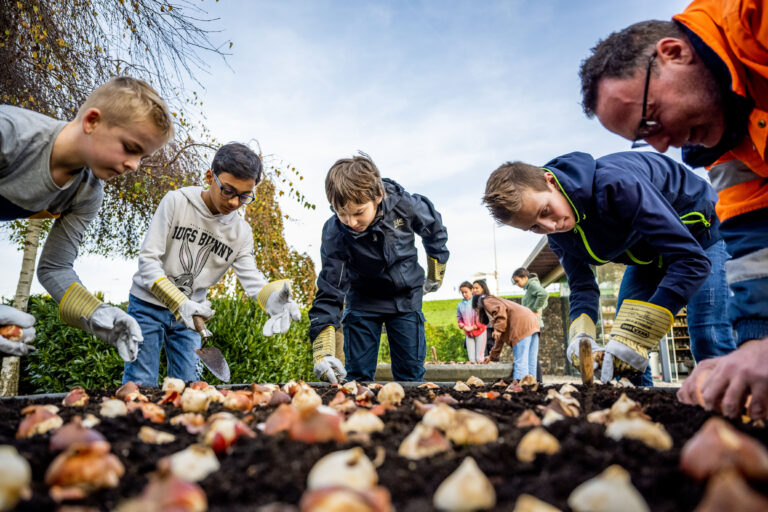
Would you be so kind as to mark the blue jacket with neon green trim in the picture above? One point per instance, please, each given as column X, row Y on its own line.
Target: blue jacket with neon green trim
column 634, row 208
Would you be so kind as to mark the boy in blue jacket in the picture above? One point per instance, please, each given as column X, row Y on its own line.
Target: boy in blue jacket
column 369, row 256
column 640, row 209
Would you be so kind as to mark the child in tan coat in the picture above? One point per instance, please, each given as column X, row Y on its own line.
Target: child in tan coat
column 514, row 325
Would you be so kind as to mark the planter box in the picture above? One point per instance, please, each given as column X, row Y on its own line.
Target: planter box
column 452, row 372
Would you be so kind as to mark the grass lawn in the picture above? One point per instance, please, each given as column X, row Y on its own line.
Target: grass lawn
column 443, row 312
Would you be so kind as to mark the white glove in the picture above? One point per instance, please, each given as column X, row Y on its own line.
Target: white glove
column 281, row 309
column 190, row 308
column 12, row 316
column 117, row 328
column 329, row 369
column 430, row 285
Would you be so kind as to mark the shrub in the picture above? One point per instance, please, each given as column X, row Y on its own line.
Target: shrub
column 68, row 357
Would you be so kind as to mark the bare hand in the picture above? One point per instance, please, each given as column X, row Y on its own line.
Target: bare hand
column 690, row 391
column 736, row 376
column 496, row 335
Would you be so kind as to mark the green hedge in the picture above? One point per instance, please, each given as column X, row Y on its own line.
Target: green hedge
column 67, row 357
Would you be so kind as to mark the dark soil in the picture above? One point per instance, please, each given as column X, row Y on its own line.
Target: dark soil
column 266, row 470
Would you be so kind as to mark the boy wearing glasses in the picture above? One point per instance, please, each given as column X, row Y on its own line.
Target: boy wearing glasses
column 195, row 236
column 640, row 209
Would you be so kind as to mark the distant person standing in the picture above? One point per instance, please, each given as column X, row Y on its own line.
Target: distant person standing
column 469, row 322
column 479, row 287
column 535, row 299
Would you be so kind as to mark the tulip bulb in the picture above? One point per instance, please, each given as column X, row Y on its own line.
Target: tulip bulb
column 534, row 442
column 348, row 468
column 465, row 489
column 608, row 491
column 15, row 477
column 391, row 392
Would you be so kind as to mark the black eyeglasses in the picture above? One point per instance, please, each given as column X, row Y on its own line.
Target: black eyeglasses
column 646, row 128
column 228, row 193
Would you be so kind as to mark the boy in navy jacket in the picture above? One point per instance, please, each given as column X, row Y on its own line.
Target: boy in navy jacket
column 369, row 257
column 640, row 209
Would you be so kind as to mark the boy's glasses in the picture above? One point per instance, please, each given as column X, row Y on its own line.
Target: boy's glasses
column 228, row 193
column 646, row 128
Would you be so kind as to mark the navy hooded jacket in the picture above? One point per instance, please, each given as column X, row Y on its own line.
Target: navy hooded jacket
column 377, row 270
column 635, row 208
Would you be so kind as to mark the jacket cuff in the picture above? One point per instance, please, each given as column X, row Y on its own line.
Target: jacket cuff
column 167, row 293
column 669, row 300
column 77, row 303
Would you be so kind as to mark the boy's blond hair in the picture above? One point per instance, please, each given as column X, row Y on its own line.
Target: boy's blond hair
column 507, row 187
column 353, row 180
column 124, row 100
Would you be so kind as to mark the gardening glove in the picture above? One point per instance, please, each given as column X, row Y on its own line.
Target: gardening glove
column 275, row 300
column 177, row 303
column 327, row 367
column 435, row 274
column 17, row 331
column 581, row 328
column 638, row 328
column 79, row 308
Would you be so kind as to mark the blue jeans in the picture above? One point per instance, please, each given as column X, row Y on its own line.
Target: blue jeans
column 708, row 326
column 526, row 354
column 161, row 329
column 407, row 344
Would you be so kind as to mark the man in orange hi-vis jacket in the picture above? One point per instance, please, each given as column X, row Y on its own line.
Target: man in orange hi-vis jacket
column 700, row 82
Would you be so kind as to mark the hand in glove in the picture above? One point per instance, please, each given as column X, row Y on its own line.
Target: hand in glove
column 435, row 274
column 327, row 366
column 117, row 328
column 281, row 310
column 17, row 343
column 79, row 308
column 189, row 309
column 638, row 328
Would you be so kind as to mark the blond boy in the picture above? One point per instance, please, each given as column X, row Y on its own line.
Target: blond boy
column 57, row 169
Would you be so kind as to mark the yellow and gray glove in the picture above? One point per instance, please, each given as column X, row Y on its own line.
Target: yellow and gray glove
column 435, row 274
column 80, row 309
column 21, row 331
column 275, row 300
column 177, row 303
column 638, row 328
column 581, row 328
column 327, row 366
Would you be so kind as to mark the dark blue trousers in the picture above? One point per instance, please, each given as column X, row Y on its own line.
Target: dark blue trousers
column 407, row 344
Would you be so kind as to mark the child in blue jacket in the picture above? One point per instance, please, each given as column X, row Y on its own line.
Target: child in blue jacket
column 640, row 209
column 369, row 256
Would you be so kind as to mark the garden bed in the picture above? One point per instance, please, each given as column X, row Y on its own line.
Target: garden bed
column 273, row 469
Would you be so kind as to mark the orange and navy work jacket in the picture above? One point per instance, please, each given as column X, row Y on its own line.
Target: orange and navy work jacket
column 737, row 31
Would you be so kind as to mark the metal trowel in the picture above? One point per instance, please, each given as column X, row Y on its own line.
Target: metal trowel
column 211, row 356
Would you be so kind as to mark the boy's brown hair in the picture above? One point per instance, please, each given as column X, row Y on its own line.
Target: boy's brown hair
column 353, row 180
column 507, row 186
column 124, row 100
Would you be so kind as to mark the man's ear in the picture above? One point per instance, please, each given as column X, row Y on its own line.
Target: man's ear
column 672, row 49
column 551, row 181
column 91, row 119
column 209, row 177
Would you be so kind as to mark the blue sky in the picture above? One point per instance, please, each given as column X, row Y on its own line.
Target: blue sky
column 439, row 93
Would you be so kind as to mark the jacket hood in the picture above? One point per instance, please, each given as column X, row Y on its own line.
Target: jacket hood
column 193, row 195
column 575, row 174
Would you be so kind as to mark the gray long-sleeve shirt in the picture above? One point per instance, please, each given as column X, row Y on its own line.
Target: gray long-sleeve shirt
column 27, row 189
